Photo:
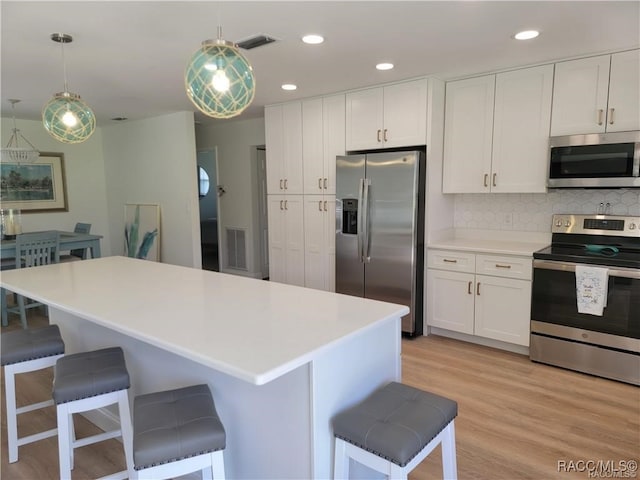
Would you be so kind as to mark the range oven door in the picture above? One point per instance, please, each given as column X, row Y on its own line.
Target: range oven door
column 554, row 303
column 607, row 345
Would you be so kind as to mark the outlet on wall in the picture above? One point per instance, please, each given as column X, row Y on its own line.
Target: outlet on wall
column 507, row 220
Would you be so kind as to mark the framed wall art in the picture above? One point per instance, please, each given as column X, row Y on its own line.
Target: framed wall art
column 142, row 231
column 35, row 187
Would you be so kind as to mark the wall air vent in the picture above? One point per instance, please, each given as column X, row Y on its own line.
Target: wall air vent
column 236, row 249
column 255, row 41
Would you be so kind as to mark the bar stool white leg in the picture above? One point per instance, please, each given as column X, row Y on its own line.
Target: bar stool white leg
column 12, row 416
column 126, row 430
column 341, row 460
column 65, row 443
column 449, row 467
column 217, row 465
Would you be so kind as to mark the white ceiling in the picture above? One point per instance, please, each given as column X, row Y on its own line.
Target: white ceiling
column 128, row 58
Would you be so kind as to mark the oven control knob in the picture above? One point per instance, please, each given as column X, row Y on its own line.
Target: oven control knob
column 632, row 226
column 567, row 223
column 558, row 223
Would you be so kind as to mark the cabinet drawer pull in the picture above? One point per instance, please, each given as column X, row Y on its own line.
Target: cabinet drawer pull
column 285, row 183
column 384, row 136
column 320, row 183
column 600, row 112
column 281, row 205
column 378, row 136
column 286, row 207
column 611, row 110
column 469, row 288
column 478, row 289
column 325, row 205
column 495, row 175
column 502, row 266
column 280, row 184
column 325, row 183
column 449, row 261
column 486, row 179
column 319, row 205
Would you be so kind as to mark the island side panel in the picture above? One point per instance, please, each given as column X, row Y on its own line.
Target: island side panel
column 268, row 426
column 345, row 375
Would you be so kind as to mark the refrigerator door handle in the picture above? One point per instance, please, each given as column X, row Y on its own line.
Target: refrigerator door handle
column 359, row 220
column 366, row 248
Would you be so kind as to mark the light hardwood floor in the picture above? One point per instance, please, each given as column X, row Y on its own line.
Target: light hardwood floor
column 516, row 420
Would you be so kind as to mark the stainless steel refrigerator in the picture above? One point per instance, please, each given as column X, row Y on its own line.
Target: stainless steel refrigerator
column 380, row 229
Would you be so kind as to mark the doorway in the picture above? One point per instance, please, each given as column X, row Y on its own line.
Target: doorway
column 209, row 211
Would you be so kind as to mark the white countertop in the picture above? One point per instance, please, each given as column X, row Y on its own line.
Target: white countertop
column 250, row 329
column 492, row 242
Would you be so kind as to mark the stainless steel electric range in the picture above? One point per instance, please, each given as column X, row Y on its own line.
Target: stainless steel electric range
column 607, row 344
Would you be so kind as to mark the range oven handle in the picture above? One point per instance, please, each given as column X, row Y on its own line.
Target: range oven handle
column 571, row 267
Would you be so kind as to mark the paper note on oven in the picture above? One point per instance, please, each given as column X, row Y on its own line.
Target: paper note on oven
column 591, row 289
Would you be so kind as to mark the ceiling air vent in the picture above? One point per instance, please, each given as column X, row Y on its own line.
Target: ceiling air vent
column 255, row 41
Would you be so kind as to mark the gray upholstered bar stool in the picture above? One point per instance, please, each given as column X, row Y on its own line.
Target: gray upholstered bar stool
column 26, row 351
column 394, row 429
column 177, row 432
column 87, row 381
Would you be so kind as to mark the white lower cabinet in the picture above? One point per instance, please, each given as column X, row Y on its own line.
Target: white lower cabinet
column 484, row 295
column 286, row 239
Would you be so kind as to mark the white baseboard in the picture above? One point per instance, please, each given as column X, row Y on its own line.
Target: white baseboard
column 487, row 342
column 104, row 419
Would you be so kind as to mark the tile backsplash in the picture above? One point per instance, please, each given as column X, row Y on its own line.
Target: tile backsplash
column 531, row 212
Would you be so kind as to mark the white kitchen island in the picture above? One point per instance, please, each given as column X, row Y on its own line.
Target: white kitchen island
column 280, row 360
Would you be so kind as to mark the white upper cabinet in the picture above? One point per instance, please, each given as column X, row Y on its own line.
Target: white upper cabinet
column 283, row 134
column 497, row 132
column 624, row 92
column 387, row 117
column 468, row 126
column 597, row 94
column 521, row 120
column 323, row 138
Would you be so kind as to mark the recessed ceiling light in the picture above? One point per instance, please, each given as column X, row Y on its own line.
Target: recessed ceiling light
column 313, row 39
column 384, row 66
column 526, row 35
column 289, row 86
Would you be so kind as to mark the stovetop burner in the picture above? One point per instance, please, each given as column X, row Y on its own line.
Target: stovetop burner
column 595, row 240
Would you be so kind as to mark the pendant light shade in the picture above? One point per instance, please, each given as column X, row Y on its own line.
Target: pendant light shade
column 219, row 80
column 14, row 152
column 66, row 116
column 68, row 119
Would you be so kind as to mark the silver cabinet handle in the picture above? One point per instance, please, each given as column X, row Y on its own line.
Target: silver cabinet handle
column 280, row 184
column 325, row 183
column 285, row 183
column 320, row 183
column 611, row 110
column 600, row 112
column 378, row 135
column 495, row 175
column 281, row 205
column 486, row 179
column 319, row 205
column 449, row 261
column 286, row 207
column 384, row 136
column 469, row 288
column 502, row 266
column 478, row 289
column 325, row 205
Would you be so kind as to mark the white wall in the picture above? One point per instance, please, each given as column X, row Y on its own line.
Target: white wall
column 85, row 181
column 154, row 161
column 236, row 142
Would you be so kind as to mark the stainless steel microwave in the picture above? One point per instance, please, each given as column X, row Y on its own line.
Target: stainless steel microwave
column 607, row 160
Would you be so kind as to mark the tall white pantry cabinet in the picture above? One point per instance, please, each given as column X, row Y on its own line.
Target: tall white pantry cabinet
column 303, row 139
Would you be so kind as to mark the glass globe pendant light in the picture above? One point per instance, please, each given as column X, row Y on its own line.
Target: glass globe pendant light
column 66, row 116
column 219, row 80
